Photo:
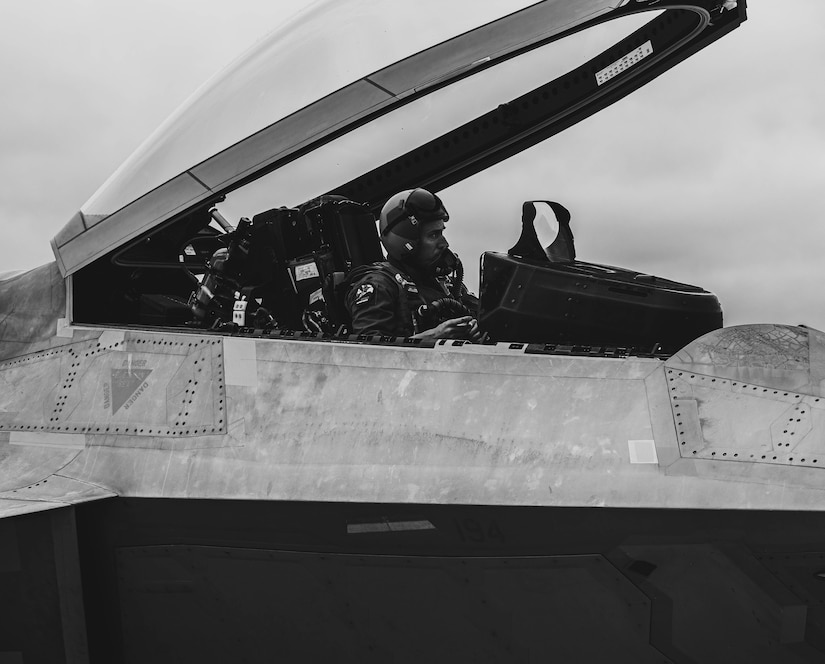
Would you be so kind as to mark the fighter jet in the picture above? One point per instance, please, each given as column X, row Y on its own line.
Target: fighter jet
column 199, row 461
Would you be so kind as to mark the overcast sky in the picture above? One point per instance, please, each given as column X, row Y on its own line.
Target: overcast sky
column 713, row 174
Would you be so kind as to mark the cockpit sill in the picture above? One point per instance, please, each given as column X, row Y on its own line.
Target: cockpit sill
column 485, row 347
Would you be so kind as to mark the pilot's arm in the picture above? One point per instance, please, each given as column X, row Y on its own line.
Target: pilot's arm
column 373, row 307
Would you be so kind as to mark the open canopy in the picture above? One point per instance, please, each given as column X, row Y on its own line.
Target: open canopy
column 353, row 96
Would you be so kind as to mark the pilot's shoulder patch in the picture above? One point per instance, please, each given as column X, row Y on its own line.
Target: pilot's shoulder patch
column 364, row 294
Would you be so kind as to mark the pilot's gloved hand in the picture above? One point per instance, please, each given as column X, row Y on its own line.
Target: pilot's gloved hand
column 465, row 327
column 474, row 334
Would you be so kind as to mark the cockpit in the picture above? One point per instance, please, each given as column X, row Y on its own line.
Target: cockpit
column 283, row 271
column 247, row 210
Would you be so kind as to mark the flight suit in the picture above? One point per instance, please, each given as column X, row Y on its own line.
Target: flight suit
column 383, row 299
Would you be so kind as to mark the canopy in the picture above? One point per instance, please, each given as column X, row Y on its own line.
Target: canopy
column 346, row 65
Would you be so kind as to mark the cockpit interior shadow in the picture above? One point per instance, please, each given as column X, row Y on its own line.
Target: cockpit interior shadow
column 286, row 269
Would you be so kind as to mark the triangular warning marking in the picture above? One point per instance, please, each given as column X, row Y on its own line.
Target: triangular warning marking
column 124, row 384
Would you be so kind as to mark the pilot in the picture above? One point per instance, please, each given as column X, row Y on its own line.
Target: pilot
column 391, row 298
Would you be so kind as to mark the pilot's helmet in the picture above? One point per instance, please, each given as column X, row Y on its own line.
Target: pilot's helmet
column 401, row 217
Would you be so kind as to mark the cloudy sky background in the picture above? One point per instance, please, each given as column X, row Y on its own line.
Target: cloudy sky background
column 713, row 174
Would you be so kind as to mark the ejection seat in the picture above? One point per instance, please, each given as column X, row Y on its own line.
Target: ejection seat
column 295, row 253
column 274, row 267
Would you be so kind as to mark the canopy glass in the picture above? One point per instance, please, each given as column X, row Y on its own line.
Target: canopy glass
column 345, row 87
